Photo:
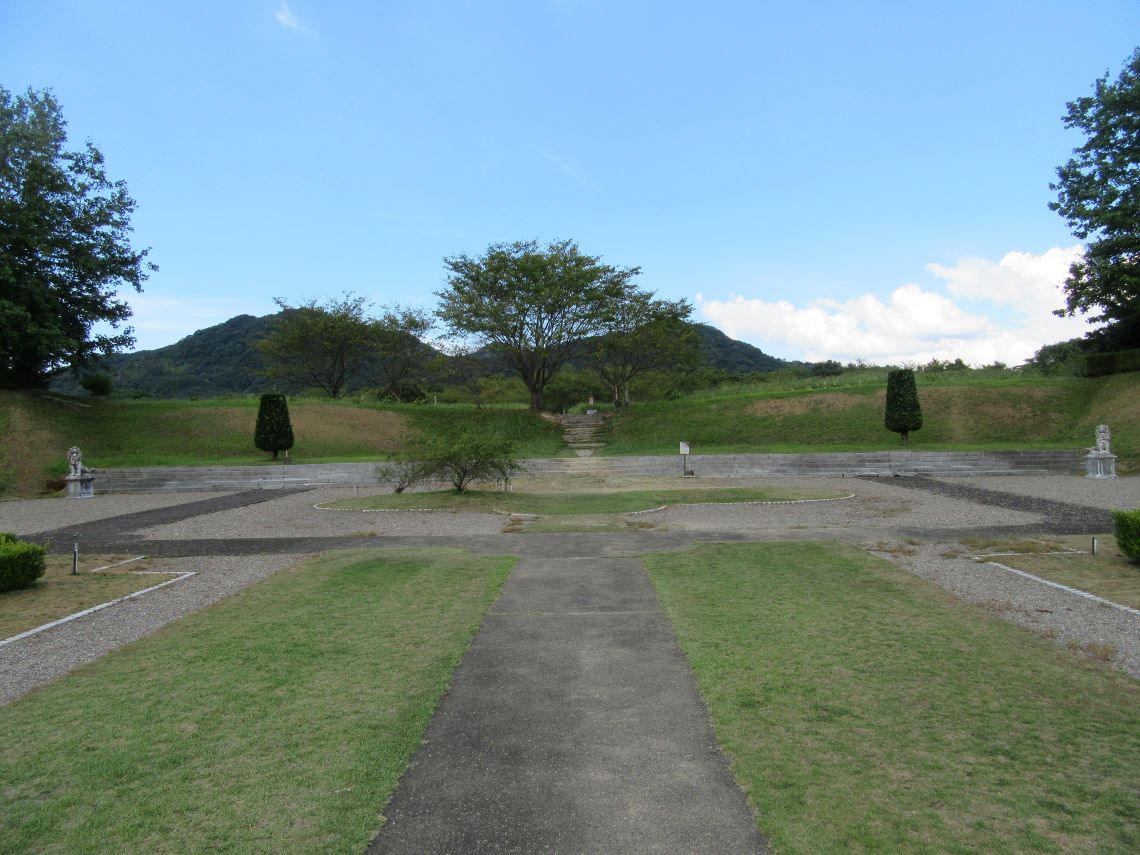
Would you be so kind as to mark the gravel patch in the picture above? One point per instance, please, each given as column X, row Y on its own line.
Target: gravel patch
column 40, row 658
column 1107, row 494
column 31, row 516
column 878, row 504
column 1073, row 621
column 295, row 516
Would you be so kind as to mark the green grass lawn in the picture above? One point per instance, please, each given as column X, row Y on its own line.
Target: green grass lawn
column 864, row 710
column 555, row 504
column 276, row 721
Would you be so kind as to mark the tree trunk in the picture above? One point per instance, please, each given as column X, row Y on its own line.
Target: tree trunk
column 904, row 434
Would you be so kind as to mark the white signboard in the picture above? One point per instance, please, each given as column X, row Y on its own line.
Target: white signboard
column 684, row 448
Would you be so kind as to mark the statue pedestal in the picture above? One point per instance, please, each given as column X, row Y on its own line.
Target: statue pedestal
column 1100, row 464
column 83, row 486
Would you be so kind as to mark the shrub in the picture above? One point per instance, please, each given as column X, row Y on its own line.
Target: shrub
column 1127, row 531
column 97, row 384
column 466, row 456
column 20, row 563
column 274, row 431
column 401, row 473
column 829, row 368
column 903, row 413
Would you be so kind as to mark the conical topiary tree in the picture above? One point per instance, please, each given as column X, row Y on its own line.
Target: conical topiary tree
column 274, row 432
column 903, row 412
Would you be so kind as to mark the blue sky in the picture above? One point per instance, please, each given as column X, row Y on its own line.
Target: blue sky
column 821, row 179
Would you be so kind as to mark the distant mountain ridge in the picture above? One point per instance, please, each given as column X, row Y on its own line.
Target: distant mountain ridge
column 222, row 360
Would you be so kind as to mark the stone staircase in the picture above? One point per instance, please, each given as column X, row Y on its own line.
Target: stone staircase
column 583, row 433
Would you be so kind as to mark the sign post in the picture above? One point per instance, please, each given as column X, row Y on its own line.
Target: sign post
column 685, row 459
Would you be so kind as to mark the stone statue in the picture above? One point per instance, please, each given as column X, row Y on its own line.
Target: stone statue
column 75, row 461
column 1100, row 462
column 1103, row 439
column 80, row 480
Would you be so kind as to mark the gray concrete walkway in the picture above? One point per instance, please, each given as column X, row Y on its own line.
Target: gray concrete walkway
column 573, row 725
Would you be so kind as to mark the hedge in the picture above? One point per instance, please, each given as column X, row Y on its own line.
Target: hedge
column 1127, row 532
column 1104, row 364
column 20, row 563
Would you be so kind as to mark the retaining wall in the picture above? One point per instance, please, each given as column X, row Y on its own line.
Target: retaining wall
column 941, row 463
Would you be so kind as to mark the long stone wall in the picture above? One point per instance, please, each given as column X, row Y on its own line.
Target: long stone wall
column 904, row 463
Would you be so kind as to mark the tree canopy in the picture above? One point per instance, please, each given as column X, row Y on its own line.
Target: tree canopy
column 643, row 334
column 318, row 346
column 1099, row 196
column 533, row 305
column 64, row 246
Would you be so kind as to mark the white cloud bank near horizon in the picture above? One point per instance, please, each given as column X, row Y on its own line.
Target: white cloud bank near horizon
column 915, row 325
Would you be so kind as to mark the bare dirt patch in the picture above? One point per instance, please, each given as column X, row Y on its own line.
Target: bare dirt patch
column 826, row 402
column 382, row 430
column 963, row 410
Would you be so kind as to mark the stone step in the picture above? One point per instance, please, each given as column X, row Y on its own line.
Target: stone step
column 276, row 476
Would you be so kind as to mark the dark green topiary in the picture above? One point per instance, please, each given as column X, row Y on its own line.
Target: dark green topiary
column 20, row 563
column 903, row 412
column 274, row 431
column 1127, row 531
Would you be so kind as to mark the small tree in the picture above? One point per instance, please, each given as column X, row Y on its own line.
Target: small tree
column 903, row 411
column 465, row 456
column 274, row 431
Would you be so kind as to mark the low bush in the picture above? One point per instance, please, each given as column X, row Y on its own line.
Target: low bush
column 1127, row 531
column 20, row 563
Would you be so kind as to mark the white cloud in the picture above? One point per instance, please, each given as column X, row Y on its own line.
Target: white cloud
column 286, row 17
column 917, row 325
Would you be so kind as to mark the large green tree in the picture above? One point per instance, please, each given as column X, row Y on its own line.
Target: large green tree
column 64, row 246
column 319, row 346
column 1099, row 195
column 643, row 334
column 534, row 305
column 403, row 360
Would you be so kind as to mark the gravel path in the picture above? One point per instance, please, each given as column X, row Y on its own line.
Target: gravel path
column 261, row 532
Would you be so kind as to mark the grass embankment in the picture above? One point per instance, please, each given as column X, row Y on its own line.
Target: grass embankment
column 846, row 414
column 58, row 593
column 558, row 504
column 38, row 430
column 276, row 721
column 865, row 710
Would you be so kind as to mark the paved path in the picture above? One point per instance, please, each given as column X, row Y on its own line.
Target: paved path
column 572, row 725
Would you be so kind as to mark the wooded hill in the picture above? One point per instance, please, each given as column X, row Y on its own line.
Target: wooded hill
column 222, row 360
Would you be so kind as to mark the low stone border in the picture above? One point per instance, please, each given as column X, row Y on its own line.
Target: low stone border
column 42, row 628
column 738, row 504
column 981, row 559
column 318, row 507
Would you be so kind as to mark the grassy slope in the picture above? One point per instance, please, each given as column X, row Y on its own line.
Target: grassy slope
column 276, row 721
column 971, row 410
column 118, row 432
column 847, row 415
column 866, row 711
